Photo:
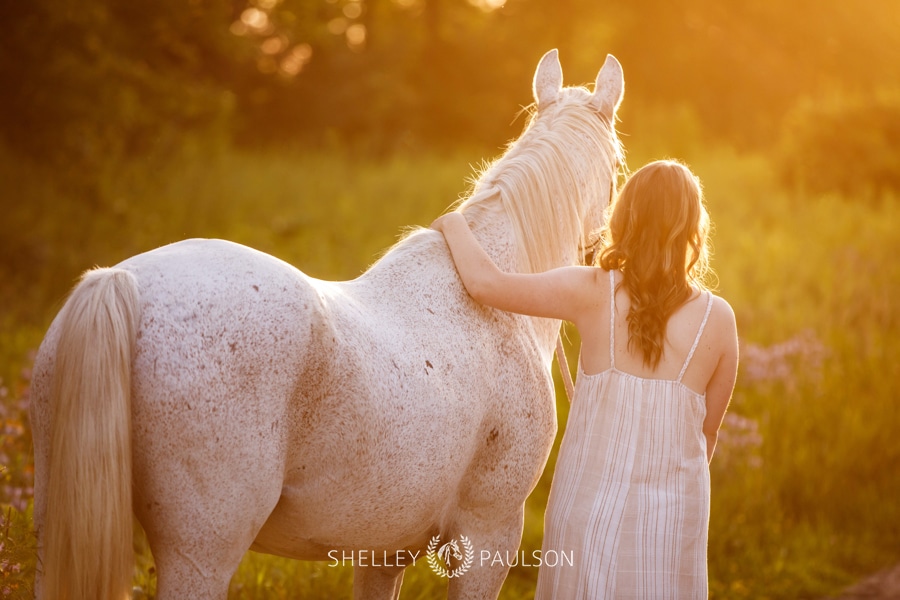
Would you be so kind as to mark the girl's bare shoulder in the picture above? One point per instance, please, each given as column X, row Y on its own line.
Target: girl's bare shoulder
column 722, row 320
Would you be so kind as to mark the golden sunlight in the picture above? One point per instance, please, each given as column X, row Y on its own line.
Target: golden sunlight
column 295, row 60
column 352, row 10
column 274, row 45
column 488, row 5
column 255, row 18
column 337, row 26
column 356, row 36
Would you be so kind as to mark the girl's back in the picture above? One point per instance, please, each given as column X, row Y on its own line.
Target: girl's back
column 680, row 332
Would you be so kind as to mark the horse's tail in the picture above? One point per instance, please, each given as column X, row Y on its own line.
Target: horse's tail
column 88, row 544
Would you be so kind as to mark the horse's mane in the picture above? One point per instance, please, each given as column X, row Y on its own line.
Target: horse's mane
column 549, row 179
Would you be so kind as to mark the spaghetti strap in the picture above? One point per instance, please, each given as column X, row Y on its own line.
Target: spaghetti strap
column 690, row 355
column 612, row 320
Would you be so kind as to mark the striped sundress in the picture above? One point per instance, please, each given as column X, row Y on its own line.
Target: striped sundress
column 629, row 503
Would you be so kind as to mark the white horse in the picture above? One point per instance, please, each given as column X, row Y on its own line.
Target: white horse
column 234, row 403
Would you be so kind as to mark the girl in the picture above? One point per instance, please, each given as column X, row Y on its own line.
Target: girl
column 630, row 495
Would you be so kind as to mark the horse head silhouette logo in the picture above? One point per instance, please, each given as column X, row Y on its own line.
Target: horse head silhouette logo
column 439, row 558
column 448, row 549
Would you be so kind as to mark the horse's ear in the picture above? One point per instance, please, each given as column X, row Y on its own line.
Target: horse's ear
column 547, row 79
column 609, row 88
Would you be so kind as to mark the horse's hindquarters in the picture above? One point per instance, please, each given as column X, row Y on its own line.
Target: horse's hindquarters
column 222, row 345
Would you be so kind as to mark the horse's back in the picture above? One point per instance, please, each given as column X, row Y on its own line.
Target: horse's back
column 220, row 322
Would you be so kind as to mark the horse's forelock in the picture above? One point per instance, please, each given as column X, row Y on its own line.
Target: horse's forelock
column 552, row 178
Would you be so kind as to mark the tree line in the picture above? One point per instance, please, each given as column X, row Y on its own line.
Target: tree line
column 89, row 79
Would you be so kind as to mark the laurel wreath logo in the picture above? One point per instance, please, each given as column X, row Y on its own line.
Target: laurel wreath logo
column 438, row 567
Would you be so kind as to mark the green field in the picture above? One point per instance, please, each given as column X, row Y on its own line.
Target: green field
column 805, row 478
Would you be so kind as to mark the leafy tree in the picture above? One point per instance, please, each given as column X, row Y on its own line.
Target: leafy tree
column 92, row 80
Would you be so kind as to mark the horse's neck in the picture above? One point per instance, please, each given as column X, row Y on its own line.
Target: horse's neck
column 494, row 232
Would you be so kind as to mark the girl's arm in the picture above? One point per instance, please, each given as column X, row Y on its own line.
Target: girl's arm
column 556, row 294
column 720, row 387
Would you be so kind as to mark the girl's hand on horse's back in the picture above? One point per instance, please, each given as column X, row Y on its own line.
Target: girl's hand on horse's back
column 479, row 274
column 563, row 293
column 438, row 224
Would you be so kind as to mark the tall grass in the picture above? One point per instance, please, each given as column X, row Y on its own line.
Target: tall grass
column 804, row 481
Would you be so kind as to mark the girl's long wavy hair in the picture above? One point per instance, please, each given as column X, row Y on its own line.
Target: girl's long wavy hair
column 656, row 234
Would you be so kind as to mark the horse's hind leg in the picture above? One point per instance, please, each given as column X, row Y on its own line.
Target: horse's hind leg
column 203, row 490
column 377, row 583
column 199, row 532
column 182, row 577
column 484, row 579
column 199, row 541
